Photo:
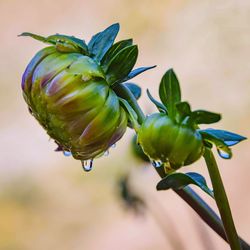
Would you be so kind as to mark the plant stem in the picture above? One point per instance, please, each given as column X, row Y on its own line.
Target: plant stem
column 205, row 212
column 221, row 200
column 124, row 92
column 187, row 194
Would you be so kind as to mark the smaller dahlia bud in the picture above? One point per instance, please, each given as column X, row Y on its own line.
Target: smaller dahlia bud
column 69, row 89
column 163, row 140
column 172, row 137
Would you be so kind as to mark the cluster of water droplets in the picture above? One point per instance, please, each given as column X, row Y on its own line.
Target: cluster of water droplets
column 87, row 165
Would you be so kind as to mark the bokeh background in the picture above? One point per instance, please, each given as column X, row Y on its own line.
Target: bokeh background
column 47, row 201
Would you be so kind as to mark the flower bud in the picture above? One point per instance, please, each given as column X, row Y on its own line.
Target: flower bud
column 72, row 89
column 69, row 96
column 164, row 140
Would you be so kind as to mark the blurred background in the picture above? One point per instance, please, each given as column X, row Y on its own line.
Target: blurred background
column 47, row 201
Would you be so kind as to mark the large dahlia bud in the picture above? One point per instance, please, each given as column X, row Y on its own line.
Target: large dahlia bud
column 69, row 89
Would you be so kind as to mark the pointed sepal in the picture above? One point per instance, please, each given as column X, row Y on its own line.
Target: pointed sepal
column 229, row 138
column 121, row 65
column 170, row 92
column 113, row 51
column 137, row 72
column 222, row 139
column 158, row 105
column 204, row 117
column 102, row 41
column 62, row 43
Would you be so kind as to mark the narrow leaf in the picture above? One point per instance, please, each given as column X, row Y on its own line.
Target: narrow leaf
column 71, row 40
column 135, row 89
column 223, row 150
column 113, row 51
column 37, row 37
column 159, row 106
column 229, row 138
column 204, row 117
column 170, row 92
column 102, row 41
column 136, row 72
column 122, row 64
column 65, row 41
column 178, row 181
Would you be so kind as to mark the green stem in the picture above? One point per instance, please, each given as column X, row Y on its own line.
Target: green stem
column 187, row 194
column 122, row 91
column 221, row 200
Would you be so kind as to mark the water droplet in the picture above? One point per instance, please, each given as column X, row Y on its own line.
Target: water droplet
column 224, row 154
column 113, row 146
column 106, row 153
column 87, row 165
column 156, row 164
column 67, row 153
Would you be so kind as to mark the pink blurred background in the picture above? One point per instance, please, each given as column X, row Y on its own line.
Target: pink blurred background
column 47, row 201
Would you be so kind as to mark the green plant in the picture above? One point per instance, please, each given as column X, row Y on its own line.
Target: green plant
column 79, row 93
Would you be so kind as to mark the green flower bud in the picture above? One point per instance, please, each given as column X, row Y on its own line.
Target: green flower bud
column 69, row 96
column 68, row 90
column 164, row 140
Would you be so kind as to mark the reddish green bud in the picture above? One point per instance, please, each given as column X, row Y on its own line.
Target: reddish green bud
column 69, row 96
column 69, row 90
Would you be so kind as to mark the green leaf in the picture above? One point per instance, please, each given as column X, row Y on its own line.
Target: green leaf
column 122, row 64
column 178, row 181
column 229, row 138
column 135, row 89
column 70, row 39
column 222, row 139
column 183, row 109
column 159, row 106
column 204, row 117
column 136, row 72
column 113, row 51
column 102, row 41
column 223, row 150
column 63, row 42
column 170, row 92
column 37, row 37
